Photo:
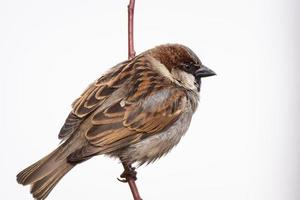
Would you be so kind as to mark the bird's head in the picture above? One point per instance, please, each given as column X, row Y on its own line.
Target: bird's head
column 182, row 64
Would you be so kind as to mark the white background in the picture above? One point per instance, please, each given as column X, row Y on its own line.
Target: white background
column 243, row 143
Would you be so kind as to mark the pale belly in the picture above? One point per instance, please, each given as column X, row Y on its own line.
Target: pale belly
column 153, row 147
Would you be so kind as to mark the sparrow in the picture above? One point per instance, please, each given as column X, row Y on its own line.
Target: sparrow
column 137, row 112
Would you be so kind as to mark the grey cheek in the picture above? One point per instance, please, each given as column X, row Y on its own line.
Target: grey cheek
column 156, row 99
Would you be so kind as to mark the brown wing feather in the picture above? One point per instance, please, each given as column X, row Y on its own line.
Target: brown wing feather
column 71, row 124
column 94, row 96
column 100, row 90
column 152, row 105
column 129, row 124
column 157, row 112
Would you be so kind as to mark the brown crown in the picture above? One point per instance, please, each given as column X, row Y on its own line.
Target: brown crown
column 171, row 55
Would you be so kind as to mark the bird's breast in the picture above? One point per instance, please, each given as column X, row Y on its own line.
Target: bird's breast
column 153, row 147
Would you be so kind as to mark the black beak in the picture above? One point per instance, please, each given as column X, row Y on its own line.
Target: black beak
column 204, row 72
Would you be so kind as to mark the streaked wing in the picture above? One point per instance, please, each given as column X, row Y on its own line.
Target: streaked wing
column 70, row 126
column 152, row 105
column 157, row 112
column 93, row 97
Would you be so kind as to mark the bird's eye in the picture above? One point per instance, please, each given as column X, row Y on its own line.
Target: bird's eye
column 187, row 67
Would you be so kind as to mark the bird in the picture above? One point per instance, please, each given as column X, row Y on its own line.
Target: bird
column 136, row 112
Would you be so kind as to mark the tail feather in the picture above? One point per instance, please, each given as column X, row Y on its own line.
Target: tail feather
column 27, row 175
column 41, row 188
column 45, row 173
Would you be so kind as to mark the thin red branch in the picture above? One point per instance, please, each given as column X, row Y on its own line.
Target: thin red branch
column 131, row 52
column 131, row 182
column 134, row 189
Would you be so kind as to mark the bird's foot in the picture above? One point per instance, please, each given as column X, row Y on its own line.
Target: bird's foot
column 129, row 173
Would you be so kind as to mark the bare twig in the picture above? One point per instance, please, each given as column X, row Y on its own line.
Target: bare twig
column 128, row 170
column 129, row 176
column 131, row 52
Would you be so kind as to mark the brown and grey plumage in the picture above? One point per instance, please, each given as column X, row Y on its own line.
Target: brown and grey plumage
column 138, row 111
